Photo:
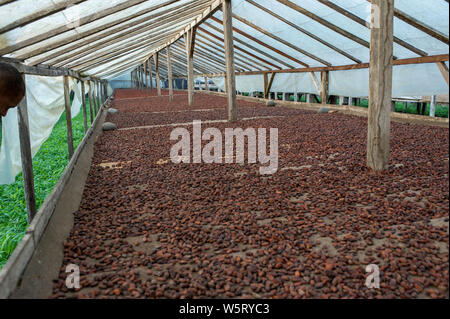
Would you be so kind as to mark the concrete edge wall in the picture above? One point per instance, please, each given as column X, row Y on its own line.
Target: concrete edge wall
column 345, row 109
column 11, row 273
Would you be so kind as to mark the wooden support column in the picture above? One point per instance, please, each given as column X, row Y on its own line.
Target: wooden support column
column 169, row 73
column 189, row 39
column 83, row 103
column 27, row 159
column 206, row 84
column 68, row 116
column 324, row 87
column 268, row 84
column 158, row 81
column 91, row 106
column 380, row 84
column 229, row 57
column 150, row 73
column 145, row 74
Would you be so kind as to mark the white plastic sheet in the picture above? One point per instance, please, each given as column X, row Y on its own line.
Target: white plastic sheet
column 45, row 100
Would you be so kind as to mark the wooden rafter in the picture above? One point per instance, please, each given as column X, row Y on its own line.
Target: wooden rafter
column 61, row 29
column 61, row 6
column 304, row 31
column 325, row 23
column 241, row 49
column 124, row 31
column 251, row 47
column 248, row 36
column 366, row 24
column 284, row 42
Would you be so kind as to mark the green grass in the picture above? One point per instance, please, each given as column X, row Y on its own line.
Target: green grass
column 48, row 166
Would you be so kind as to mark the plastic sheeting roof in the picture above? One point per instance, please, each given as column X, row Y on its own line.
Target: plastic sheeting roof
column 107, row 38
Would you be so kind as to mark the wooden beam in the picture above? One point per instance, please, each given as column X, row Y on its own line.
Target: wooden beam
column 26, row 157
column 189, row 40
column 158, row 81
column 366, row 24
column 83, row 102
column 54, row 8
column 262, row 43
column 208, row 12
column 276, row 38
column 268, row 85
column 91, row 110
column 149, row 61
column 121, row 32
column 325, row 23
column 39, row 70
column 169, row 73
column 68, row 116
column 444, row 70
column 253, row 48
column 410, row 61
column 380, row 86
column 421, row 26
column 241, row 49
column 304, row 31
column 324, row 86
column 229, row 57
column 54, row 32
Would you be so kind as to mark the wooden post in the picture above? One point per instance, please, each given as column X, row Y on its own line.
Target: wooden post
column 324, row 88
column 158, row 81
column 27, row 159
column 189, row 39
column 206, row 84
column 145, row 74
column 68, row 116
column 91, row 110
column 433, row 106
column 380, row 84
column 266, row 85
column 341, row 100
column 150, row 73
column 83, row 103
column 169, row 74
column 229, row 57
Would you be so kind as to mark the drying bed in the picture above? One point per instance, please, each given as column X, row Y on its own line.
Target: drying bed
column 148, row 228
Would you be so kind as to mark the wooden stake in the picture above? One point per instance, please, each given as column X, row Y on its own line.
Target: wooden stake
column 380, row 85
column 83, row 101
column 68, row 116
column 27, row 159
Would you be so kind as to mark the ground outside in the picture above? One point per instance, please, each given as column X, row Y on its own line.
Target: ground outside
column 149, row 228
